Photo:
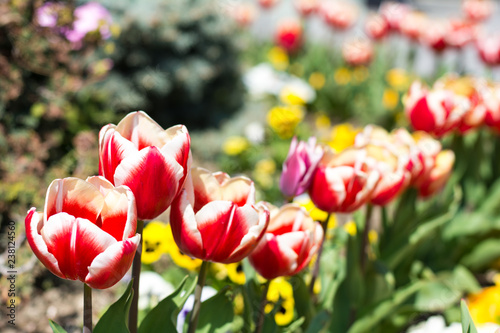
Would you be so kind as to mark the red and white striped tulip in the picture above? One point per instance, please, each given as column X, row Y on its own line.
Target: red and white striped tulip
column 299, row 166
column 289, row 35
column 343, row 182
column 394, row 13
column 151, row 161
column 306, row 7
column 413, row 24
column 291, row 240
column 266, row 4
column 436, row 111
column 477, row 10
column 376, row 27
column 460, row 32
column 491, row 99
column 438, row 175
column 215, row 217
column 488, row 46
column 435, row 35
column 86, row 232
column 357, row 52
column 338, row 14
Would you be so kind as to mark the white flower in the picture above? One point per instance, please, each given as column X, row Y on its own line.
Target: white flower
column 436, row 324
column 206, row 293
column 255, row 132
column 152, row 289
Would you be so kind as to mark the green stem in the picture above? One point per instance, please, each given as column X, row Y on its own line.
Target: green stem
column 263, row 302
column 315, row 273
column 136, row 272
column 195, row 313
column 87, row 309
column 364, row 242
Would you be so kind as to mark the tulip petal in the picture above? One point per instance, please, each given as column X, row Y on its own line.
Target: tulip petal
column 153, row 178
column 178, row 146
column 75, row 197
column 294, row 169
column 184, row 226
column 75, row 242
column 110, row 266
column 34, row 224
column 113, row 148
column 119, row 215
column 328, row 190
column 206, row 187
column 142, row 130
column 239, row 190
column 102, row 184
column 272, row 259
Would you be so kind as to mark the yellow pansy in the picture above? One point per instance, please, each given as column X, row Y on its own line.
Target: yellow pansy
column 219, row 270
column 239, row 304
column 360, row 74
column 155, row 239
column 278, row 58
column 322, row 121
column 390, row 99
column 316, row 213
column 179, row 258
column 342, row 136
column 317, row 80
column 342, row 76
column 284, row 120
column 289, row 97
column 484, row 306
column 267, row 166
column 235, row 145
column 308, row 277
column 235, row 273
column 398, row 79
column 281, row 291
column 372, row 237
column 351, row 228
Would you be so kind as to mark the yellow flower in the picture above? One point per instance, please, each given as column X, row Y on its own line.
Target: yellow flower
column 390, row 99
column 342, row 136
column 239, row 304
column 267, row 166
column 372, row 236
column 316, row 213
column 290, row 97
column 484, row 306
column 155, row 238
column 109, row 48
column 219, row 270
column 308, row 277
column 398, row 79
column 350, row 228
column 342, row 76
column 284, row 120
column 323, row 121
column 278, row 58
column 235, row 145
column 360, row 74
column 235, row 273
column 281, row 291
column 317, row 80
column 179, row 258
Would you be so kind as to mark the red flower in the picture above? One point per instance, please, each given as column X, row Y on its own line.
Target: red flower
column 394, row 13
column 438, row 174
column 87, row 231
column 413, row 24
column 491, row 98
column 215, row 219
column 266, row 4
column 376, row 26
column 291, row 239
column 343, row 182
column 357, row 52
column 151, row 161
column 306, row 7
column 488, row 47
column 338, row 14
column 478, row 10
column 289, row 35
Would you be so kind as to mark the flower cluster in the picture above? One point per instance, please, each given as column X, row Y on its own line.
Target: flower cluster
column 453, row 104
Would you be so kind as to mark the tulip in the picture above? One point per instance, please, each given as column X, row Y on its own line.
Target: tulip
column 338, row 14
column 244, row 14
column 289, row 35
column 413, row 24
column 438, row 174
column 427, row 149
column 299, row 167
column 306, row 7
column 436, row 111
column 394, row 13
column 291, row 239
column 151, row 161
column 215, row 218
column 460, row 33
column 266, row 4
column 491, row 98
column 488, row 47
column 357, row 52
column 435, row 35
column 87, row 231
column 477, row 10
column 343, row 182
column 376, row 26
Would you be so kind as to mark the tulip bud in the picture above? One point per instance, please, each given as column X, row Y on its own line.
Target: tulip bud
column 299, row 167
column 291, row 239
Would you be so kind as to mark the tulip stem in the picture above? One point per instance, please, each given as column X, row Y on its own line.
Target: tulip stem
column 195, row 313
column 315, row 273
column 87, row 309
column 262, row 312
column 365, row 241
column 136, row 272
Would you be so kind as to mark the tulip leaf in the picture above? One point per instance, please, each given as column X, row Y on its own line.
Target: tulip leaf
column 467, row 323
column 116, row 317
column 293, row 327
column 216, row 314
column 163, row 317
column 482, row 255
column 56, row 328
column 319, row 322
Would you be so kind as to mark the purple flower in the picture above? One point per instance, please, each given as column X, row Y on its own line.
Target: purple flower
column 299, row 166
column 89, row 18
column 47, row 14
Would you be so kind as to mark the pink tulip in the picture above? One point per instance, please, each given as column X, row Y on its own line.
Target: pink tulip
column 478, row 10
column 299, row 167
column 87, row 231
column 215, row 219
column 152, row 161
column 376, row 26
column 343, row 182
column 291, row 239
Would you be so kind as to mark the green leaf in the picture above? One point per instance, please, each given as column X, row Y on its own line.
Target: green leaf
column 293, row 327
column 482, row 255
column 116, row 317
column 163, row 317
column 56, row 328
column 467, row 323
column 319, row 323
column 216, row 314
